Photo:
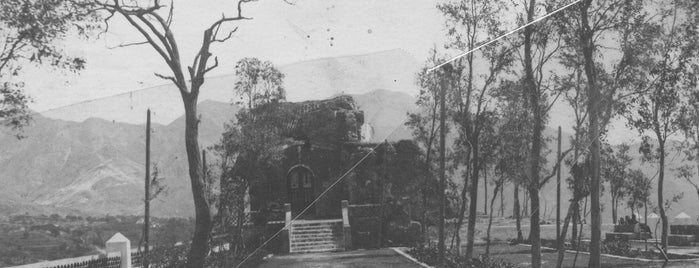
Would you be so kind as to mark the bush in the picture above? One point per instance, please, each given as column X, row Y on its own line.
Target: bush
column 430, row 256
column 617, row 247
column 399, row 235
column 176, row 257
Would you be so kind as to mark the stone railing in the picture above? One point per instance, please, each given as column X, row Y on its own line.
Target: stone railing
column 118, row 256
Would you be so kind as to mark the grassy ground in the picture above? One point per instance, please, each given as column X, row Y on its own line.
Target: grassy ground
column 520, row 256
column 504, row 229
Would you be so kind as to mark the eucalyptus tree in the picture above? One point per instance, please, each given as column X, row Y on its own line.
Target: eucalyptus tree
column 638, row 190
column 425, row 129
column 615, row 172
column 251, row 143
column 590, row 30
column 540, row 44
column 668, row 60
column 468, row 23
column 514, row 135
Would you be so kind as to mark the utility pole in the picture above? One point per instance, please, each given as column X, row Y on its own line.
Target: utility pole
column 146, row 218
column 447, row 68
column 558, row 191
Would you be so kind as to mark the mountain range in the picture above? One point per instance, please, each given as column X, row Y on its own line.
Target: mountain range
column 89, row 158
column 97, row 166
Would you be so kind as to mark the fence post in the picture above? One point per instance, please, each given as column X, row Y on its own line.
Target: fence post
column 120, row 244
column 346, row 231
column 286, row 232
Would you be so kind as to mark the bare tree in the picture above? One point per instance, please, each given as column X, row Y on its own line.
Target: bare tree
column 146, row 18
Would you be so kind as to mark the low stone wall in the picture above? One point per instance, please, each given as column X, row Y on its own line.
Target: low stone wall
column 690, row 229
column 680, row 240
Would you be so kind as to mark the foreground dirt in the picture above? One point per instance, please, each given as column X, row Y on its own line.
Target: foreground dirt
column 356, row 258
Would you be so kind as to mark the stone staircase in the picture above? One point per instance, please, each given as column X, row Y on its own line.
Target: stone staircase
column 308, row 236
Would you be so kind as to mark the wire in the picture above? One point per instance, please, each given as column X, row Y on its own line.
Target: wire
column 502, row 36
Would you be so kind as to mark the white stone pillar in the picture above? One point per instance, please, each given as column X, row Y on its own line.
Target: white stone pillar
column 345, row 215
column 120, row 244
column 287, row 214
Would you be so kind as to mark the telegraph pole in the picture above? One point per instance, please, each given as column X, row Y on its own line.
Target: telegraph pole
column 558, row 191
column 146, row 218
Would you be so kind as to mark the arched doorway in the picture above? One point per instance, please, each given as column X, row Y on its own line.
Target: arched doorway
column 300, row 182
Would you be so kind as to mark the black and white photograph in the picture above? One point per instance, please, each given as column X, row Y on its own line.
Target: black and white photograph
column 349, row 133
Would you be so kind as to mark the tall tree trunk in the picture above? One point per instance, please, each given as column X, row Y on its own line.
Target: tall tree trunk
column 593, row 107
column 462, row 207
column 517, row 214
column 471, row 231
column 239, row 235
column 525, row 203
column 535, row 155
column 429, row 177
column 561, row 248
column 490, row 219
column 576, row 219
column 485, row 191
column 614, row 208
column 442, row 166
column 661, row 202
column 579, row 235
column 502, row 201
column 203, row 223
column 534, row 231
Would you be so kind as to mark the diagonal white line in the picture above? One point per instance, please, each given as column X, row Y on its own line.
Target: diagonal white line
column 502, row 36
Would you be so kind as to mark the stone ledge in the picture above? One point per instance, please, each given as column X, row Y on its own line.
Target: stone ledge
column 680, row 240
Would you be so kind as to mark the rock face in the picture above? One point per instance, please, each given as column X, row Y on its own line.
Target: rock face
column 96, row 166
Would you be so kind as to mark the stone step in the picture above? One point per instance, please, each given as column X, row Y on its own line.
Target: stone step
column 313, row 226
column 313, row 246
column 313, row 243
column 310, row 232
column 313, row 250
column 312, row 235
column 315, row 237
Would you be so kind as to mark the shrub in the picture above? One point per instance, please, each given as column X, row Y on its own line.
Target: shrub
column 616, row 247
column 430, row 256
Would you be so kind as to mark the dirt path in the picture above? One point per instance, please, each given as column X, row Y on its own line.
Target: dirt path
column 356, row 258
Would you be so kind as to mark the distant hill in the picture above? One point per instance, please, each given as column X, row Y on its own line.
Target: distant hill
column 392, row 70
column 96, row 166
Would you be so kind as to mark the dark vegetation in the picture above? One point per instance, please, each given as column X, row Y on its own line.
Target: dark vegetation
column 29, row 239
column 430, row 255
column 621, row 248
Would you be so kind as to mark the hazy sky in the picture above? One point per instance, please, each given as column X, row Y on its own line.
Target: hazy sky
column 280, row 32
